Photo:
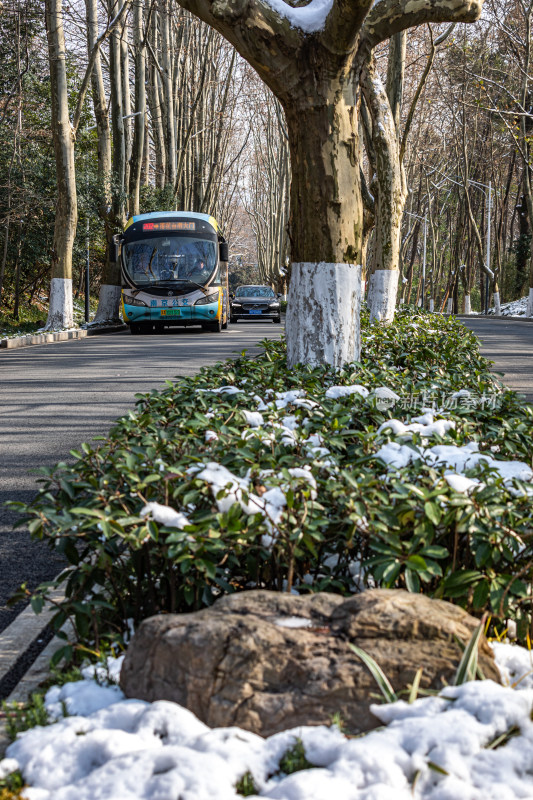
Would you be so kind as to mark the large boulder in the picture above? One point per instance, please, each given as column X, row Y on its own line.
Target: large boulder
column 266, row 661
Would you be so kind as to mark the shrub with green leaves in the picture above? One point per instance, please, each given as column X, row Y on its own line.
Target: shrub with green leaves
column 306, row 503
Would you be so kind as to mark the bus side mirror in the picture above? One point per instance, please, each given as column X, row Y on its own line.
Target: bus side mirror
column 114, row 246
column 224, row 251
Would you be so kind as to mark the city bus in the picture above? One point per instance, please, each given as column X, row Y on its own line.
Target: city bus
column 174, row 272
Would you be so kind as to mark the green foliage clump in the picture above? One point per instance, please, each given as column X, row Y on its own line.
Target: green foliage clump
column 31, row 317
column 294, row 759
column 246, row 785
column 21, row 717
column 348, row 522
column 11, row 786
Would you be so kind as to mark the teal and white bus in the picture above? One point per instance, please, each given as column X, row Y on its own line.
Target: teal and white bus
column 174, row 272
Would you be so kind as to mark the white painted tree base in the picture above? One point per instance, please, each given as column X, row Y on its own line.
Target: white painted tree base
column 322, row 323
column 108, row 304
column 449, row 306
column 497, row 304
column 431, row 304
column 529, row 310
column 382, row 293
column 468, row 307
column 60, row 311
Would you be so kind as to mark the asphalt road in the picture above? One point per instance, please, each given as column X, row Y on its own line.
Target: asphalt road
column 509, row 345
column 54, row 397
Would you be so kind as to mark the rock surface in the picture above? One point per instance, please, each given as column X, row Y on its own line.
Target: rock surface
column 266, row 661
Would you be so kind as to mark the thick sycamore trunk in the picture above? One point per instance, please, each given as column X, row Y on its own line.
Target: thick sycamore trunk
column 326, row 222
column 60, row 309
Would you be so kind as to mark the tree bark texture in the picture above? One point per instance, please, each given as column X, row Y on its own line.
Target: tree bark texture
column 117, row 123
column 109, row 295
column 391, row 192
column 140, row 108
column 60, row 310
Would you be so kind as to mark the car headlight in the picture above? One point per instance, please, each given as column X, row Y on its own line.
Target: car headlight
column 211, row 298
column 273, row 305
column 133, row 301
column 234, row 303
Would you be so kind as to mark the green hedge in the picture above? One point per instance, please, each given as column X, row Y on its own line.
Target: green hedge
column 364, row 525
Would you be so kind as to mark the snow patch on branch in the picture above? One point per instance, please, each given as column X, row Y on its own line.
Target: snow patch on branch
column 310, row 18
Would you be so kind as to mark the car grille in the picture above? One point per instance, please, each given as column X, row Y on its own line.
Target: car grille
column 255, row 306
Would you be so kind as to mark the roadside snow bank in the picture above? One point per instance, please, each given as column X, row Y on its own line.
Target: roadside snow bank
column 472, row 742
column 517, row 308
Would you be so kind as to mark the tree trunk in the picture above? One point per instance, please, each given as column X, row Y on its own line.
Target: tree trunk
column 169, row 115
column 156, row 116
column 497, row 302
column 60, row 312
column 109, row 296
column 325, row 228
column 126, row 101
column 391, row 196
column 117, row 122
column 140, row 108
column 110, row 289
column 312, row 64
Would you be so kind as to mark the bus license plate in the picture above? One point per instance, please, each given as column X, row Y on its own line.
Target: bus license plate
column 256, row 311
column 173, row 312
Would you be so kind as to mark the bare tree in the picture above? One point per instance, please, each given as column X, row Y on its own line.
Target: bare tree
column 268, row 205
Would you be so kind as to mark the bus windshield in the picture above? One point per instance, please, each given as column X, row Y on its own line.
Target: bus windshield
column 170, row 259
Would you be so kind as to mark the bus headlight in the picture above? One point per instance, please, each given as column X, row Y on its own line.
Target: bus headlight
column 133, row 301
column 211, row 298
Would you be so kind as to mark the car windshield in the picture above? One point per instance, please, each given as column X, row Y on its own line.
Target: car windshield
column 170, row 259
column 254, row 291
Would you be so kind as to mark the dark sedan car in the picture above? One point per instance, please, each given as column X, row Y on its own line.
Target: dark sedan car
column 255, row 302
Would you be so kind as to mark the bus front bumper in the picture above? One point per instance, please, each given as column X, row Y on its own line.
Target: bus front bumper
column 183, row 315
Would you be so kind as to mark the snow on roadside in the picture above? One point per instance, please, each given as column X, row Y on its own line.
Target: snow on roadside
column 516, row 308
column 471, row 742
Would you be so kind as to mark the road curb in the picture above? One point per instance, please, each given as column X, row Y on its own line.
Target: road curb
column 31, row 682
column 60, row 336
column 25, row 628
column 15, row 640
column 100, row 329
column 41, row 338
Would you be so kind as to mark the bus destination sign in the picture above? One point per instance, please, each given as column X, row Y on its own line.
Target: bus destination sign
column 169, row 226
